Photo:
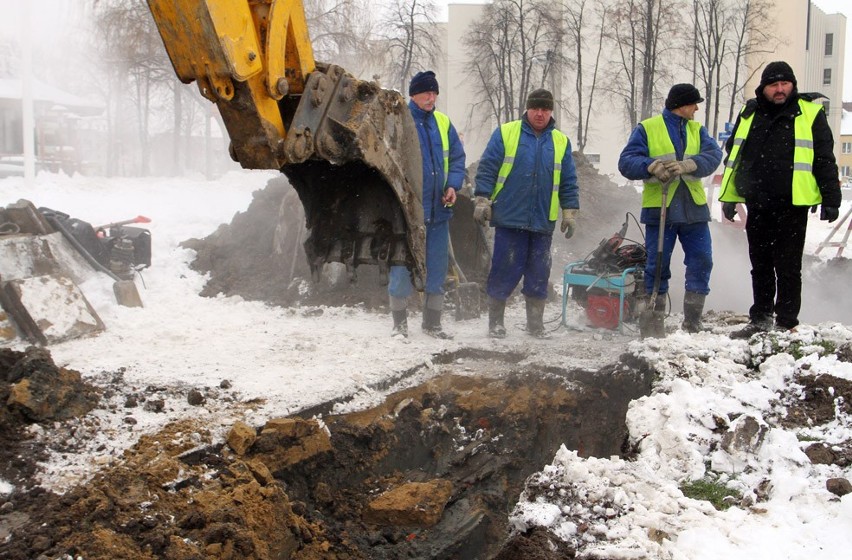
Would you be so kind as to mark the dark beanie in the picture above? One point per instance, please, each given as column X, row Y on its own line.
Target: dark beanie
column 540, row 99
column 682, row 94
column 778, row 71
column 423, row 81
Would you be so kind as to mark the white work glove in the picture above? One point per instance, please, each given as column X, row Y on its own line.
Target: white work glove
column 569, row 222
column 658, row 169
column 684, row 167
column 482, row 210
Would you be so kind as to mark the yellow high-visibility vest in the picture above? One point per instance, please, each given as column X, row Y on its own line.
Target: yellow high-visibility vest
column 805, row 188
column 660, row 147
column 444, row 130
column 511, row 133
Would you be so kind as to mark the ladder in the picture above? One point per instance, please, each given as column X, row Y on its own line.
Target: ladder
column 839, row 244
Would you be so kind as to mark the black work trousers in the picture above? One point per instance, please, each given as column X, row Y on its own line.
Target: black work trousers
column 776, row 241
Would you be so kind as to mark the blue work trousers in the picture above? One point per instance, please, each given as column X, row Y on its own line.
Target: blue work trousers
column 437, row 262
column 517, row 253
column 697, row 255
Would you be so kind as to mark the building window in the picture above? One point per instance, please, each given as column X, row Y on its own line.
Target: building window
column 847, row 149
column 826, row 76
column 845, row 171
column 829, row 44
column 827, row 106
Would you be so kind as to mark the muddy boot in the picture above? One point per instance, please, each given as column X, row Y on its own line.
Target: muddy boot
column 693, row 307
column 535, row 318
column 432, row 317
column 399, row 313
column 496, row 310
column 400, row 323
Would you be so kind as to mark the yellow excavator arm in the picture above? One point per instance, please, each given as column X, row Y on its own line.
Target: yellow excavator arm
column 348, row 147
column 246, row 56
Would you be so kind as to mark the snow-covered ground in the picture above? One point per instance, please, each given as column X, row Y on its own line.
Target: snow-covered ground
column 292, row 359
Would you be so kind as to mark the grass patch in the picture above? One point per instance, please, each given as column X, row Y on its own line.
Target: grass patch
column 711, row 491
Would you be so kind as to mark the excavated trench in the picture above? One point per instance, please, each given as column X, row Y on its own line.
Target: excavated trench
column 434, row 471
column 431, row 473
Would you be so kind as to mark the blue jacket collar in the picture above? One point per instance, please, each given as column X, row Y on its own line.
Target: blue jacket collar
column 417, row 112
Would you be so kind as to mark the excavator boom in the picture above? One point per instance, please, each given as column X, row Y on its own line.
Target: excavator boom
column 348, row 147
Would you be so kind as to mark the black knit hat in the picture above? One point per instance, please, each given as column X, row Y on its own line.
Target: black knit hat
column 682, row 94
column 778, row 71
column 540, row 99
column 423, row 81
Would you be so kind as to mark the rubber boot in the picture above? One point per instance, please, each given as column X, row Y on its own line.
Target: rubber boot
column 398, row 308
column 400, row 323
column 432, row 317
column 535, row 317
column 693, row 307
column 496, row 311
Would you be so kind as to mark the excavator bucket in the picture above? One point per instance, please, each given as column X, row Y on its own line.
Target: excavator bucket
column 353, row 156
column 348, row 147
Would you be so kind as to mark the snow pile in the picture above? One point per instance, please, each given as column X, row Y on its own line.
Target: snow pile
column 714, row 416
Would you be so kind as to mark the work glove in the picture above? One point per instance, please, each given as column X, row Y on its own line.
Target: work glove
column 729, row 209
column 569, row 222
column 684, row 167
column 829, row 213
column 482, row 210
column 658, row 170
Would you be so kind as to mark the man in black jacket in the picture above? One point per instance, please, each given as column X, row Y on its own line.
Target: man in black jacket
column 780, row 163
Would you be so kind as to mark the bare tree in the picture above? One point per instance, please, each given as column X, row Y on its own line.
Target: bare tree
column 749, row 24
column 513, row 48
column 340, row 32
column 710, row 23
column 136, row 65
column 411, row 38
column 638, row 28
column 580, row 22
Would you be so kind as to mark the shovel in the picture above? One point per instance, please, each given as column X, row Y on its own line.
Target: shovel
column 652, row 323
column 467, row 293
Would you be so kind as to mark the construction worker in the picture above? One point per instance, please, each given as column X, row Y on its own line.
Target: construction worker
column 780, row 162
column 443, row 174
column 526, row 178
column 673, row 148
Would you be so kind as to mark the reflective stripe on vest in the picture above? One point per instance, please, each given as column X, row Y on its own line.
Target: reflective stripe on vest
column 511, row 133
column 805, row 189
column 660, row 146
column 443, row 122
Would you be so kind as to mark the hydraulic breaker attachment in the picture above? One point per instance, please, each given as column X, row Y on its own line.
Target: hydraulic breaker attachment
column 348, row 147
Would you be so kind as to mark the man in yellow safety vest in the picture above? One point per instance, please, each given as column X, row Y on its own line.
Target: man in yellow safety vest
column 526, row 181
column 674, row 148
column 780, row 163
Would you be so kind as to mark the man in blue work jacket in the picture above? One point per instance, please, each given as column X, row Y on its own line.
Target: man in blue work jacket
column 443, row 174
column 525, row 182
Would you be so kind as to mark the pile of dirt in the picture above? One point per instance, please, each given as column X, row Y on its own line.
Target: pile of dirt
column 260, row 256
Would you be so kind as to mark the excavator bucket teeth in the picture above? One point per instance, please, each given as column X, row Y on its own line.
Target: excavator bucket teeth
column 353, row 156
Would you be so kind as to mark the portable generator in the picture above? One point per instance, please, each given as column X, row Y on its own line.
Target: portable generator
column 609, row 283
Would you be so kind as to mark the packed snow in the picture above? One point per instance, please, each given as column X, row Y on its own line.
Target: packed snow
column 281, row 361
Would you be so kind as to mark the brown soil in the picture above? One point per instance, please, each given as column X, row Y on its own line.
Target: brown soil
column 302, row 489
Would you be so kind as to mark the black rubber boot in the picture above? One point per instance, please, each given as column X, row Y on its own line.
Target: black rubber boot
column 535, row 317
column 693, row 307
column 432, row 324
column 400, row 323
column 496, row 311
